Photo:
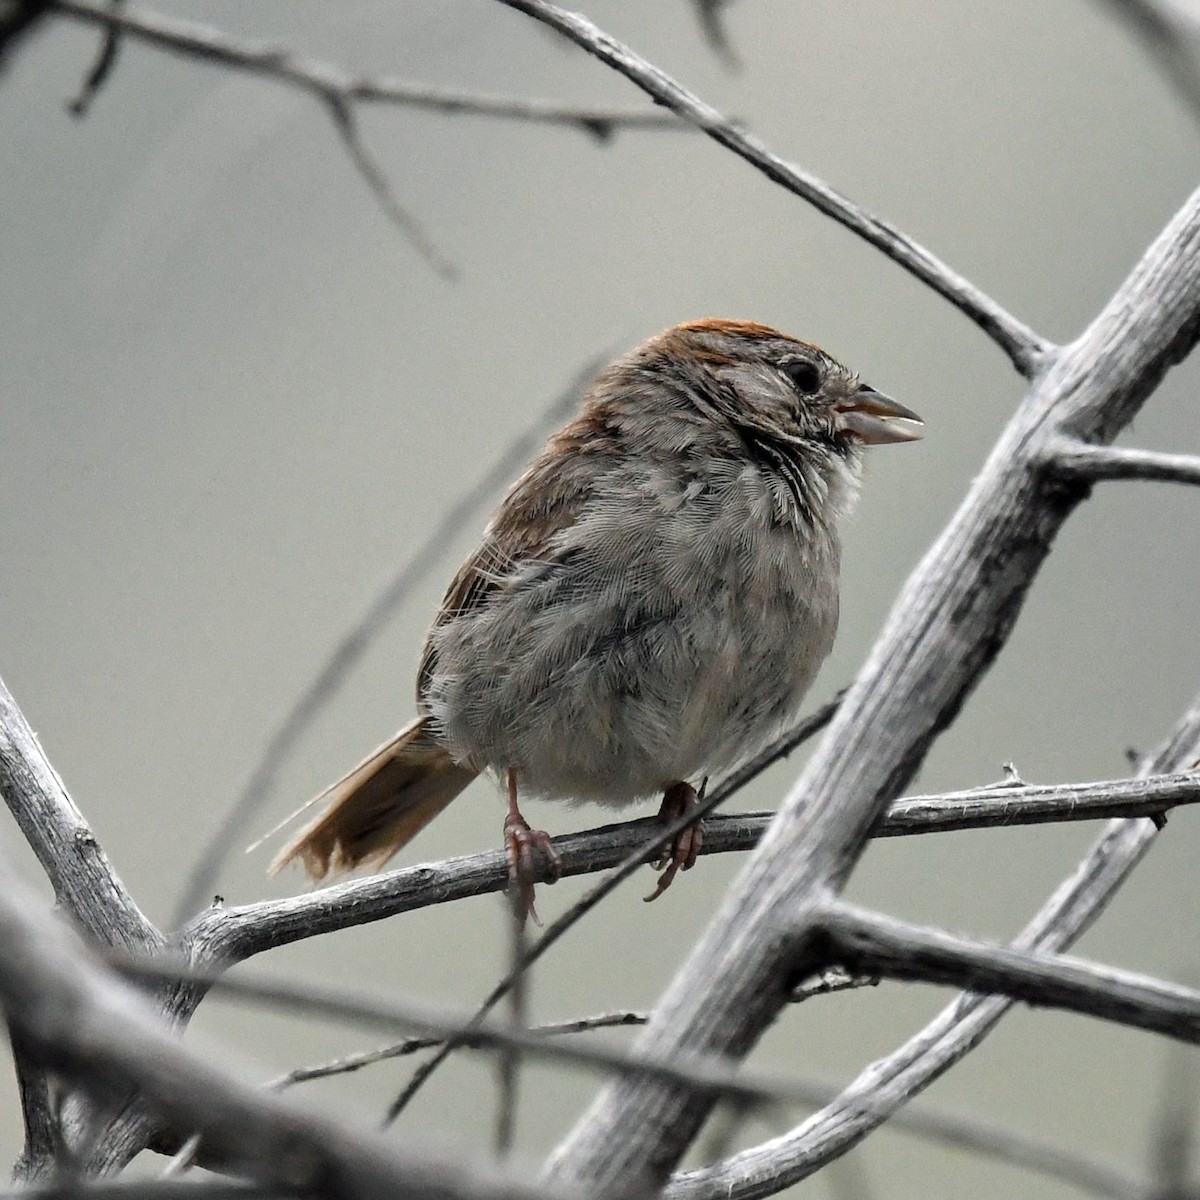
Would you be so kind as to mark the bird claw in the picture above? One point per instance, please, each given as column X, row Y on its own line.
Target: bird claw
column 684, row 849
column 531, row 859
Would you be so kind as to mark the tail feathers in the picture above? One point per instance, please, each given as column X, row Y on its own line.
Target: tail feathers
column 380, row 806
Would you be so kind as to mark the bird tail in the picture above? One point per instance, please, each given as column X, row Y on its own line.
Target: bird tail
column 380, row 806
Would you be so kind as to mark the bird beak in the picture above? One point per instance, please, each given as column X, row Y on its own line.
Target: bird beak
column 874, row 418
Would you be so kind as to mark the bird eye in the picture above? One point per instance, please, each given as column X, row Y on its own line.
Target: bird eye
column 804, row 376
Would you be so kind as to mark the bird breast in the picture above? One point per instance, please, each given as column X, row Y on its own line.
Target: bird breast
column 667, row 633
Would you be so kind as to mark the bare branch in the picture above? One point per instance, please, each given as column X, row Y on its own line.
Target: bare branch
column 1024, row 347
column 869, row 941
column 1088, row 461
column 984, row 808
column 355, row 1062
column 106, row 59
column 39, row 1151
column 346, row 124
column 196, row 41
column 946, row 627
column 79, row 1019
column 233, row 934
column 885, row 1086
column 84, row 881
column 338, row 91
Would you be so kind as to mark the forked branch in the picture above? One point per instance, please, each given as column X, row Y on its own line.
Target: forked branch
column 945, row 629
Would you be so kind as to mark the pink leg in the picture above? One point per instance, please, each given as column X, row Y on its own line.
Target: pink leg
column 531, row 854
column 678, row 800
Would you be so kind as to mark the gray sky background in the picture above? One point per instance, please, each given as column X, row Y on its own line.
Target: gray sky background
column 233, row 398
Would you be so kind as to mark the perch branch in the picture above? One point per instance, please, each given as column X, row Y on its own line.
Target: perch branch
column 232, row 934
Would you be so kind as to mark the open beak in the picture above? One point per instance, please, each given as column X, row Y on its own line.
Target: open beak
column 874, row 418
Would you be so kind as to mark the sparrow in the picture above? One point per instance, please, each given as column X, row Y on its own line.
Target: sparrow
column 648, row 605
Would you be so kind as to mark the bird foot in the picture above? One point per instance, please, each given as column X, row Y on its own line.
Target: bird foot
column 531, row 859
column 681, row 853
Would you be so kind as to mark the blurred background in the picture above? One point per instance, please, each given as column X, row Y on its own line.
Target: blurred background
column 235, row 400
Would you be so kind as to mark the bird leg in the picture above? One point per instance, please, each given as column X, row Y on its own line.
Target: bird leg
column 681, row 853
column 531, row 854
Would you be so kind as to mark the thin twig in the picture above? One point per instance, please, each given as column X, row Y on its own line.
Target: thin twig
column 508, row 1065
column 338, row 91
column 346, row 123
column 1025, row 348
column 355, row 1062
column 183, row 1159
column 106, row 59
column 193, row 40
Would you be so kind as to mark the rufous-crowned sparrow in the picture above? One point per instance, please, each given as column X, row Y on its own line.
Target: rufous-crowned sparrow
column 648, row 605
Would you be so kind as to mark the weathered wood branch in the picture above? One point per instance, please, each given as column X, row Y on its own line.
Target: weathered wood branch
column 222, row 935
column 77, row 1018
column 870, row 941
column 1092, row 462
column 884, row 1087
column 84, row 881
column 948, row 624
